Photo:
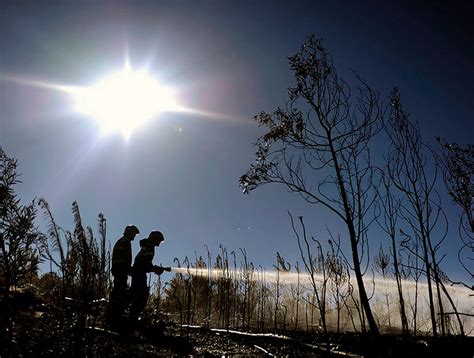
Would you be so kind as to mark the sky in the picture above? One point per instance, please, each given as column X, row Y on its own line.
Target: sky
column 228, row 60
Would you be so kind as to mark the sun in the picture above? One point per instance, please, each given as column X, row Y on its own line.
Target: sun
column 125, row 100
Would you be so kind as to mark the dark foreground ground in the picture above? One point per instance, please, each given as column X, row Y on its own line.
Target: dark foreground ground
column 46, row 336
column 48, row 331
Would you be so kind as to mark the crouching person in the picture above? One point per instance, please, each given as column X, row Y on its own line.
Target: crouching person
column 143, row 264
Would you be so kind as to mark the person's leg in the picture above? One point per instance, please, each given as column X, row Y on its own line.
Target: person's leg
column 138, row 303
column 117, row 300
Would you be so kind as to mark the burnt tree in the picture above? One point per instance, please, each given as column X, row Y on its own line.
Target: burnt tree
column 318, row 147
column 413, row 169
column 388, row 212
column 458, row 173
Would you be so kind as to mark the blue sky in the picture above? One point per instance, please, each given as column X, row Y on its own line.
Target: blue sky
column 180, row 172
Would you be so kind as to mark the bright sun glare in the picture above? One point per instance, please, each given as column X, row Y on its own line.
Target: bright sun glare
column 124, row 101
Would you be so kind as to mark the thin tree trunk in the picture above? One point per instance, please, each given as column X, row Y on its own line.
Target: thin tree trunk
column 364, row 300
column 403, row 316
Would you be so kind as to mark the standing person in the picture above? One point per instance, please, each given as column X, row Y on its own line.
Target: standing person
column 139, row 290
column 121, row 268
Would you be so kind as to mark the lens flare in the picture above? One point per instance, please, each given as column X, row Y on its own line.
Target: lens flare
column 125, row 100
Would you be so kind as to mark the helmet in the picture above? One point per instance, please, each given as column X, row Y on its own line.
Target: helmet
column 156, row 237
column 131, row 230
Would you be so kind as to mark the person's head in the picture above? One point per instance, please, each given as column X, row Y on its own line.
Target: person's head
column 130, row 232
column 156, row 238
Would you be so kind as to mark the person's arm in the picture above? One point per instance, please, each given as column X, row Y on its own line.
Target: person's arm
column 148, row 262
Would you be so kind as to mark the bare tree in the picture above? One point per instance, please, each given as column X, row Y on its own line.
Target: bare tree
column 315, row 265
column 247, row 276
column 413, row 169
column 381, row 264
column 263, row 296
column 318, row 147
column 338, row 273
column 297, row 297
column 410, row 259
column 458, row 173
column 388, row 206
column 281, row 266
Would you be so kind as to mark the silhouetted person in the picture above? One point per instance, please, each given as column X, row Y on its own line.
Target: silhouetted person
column 121, row 268
column 139, row 290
